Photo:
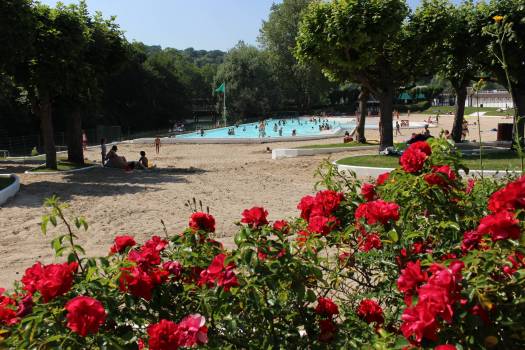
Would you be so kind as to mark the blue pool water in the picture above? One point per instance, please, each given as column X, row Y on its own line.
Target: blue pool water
column 302, row 126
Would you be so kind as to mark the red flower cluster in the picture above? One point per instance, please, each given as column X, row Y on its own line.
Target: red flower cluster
column 326, row 307
column 445, row 347
column 411, row 277
column 50, row 280
column 282, row 226
column 510, row 198
column 167, row 335
column 368, row 191
column 369, row 242
column 141, row 279
column 382, row 178
column 471, row 240
column 500, row 226
column 149, row 253
column 322, row 225
column 218, row 273
column 255, row 217
column 413, row 159
column 441, row 176
column 200, row 221
column 174, row 268
column 377, row 211
column 370, row 311
column 517, row 261
column 85, row 315
column 323, row 204
column 121, row 243
column 435, row 298
column 8, row 314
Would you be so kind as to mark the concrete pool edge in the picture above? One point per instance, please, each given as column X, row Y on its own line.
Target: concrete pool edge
column 11, row 190
column 174, row 140
column 281, row 153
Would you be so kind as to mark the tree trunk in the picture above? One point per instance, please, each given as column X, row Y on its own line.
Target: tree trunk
column 386, row 101
column 363, row 110
column 42, row 108
column 75, row 153
column 457, row 127
column 518, row 99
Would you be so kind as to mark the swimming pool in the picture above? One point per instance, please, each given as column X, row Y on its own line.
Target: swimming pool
column 303, row 126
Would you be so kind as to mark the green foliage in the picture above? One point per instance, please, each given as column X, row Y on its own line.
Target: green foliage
column 251, row 88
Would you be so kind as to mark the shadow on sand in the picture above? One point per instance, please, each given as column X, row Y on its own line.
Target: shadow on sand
column 99, row 182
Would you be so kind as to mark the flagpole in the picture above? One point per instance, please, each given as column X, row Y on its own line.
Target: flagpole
column 224, row 105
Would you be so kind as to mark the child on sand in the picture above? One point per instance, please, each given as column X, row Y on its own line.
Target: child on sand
column 143, row 161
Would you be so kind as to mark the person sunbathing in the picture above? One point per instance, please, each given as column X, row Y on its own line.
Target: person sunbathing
column 113, row 160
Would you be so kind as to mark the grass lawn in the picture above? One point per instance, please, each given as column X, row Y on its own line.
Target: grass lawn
column 62, row 165
column 468, row 110
column 5, row 181
column 491, row 161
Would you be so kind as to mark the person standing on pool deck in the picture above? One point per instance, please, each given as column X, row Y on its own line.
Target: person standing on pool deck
column 157, row 145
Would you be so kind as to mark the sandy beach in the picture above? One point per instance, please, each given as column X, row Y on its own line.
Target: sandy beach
column 227, row 178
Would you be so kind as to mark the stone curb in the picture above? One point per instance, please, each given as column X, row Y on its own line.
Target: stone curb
column 10, row 190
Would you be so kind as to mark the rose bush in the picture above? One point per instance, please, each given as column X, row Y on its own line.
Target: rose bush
column 418, row 258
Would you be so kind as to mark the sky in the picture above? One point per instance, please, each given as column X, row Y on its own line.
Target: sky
column 201, row 24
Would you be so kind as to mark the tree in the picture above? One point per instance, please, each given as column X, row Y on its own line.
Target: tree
column 363, row 41
column 455, row 50
column 300, row 84
column 505, row 40
column 250, row 86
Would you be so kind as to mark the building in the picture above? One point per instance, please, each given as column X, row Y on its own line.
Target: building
column 489, row 98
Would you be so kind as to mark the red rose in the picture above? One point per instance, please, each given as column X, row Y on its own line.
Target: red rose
column 202, row 222
column 121, row 243
column 192, row 331
column 377, row 211
column 173, row 267
column 327, row 330
column 470, row 186
column 371, row 241
column 441, row 176
column 156, row 243
column 25, row 306
column 50, row 280
column 8, row 315
column 410, row 278
column 445, row 347
column 382, row 178
column 85, row 315
column 420, row 322
column 220, row 274
column 282, row 226
column 305, row 206
column 163, row 335
column 326, row 307
column 471, row 240
column 302, row 237
column 322, row 225
column 370, row 311
column 368, row 191
column 167, row 335
column 326, row 202
column 140, row 282
column 510, row 198
column 414, row 157
column 255, row 217
column 502, row 225
column 517, row 261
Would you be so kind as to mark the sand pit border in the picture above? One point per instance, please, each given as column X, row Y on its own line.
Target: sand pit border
column 10, row 190
column 280, row 153
column 31, row 172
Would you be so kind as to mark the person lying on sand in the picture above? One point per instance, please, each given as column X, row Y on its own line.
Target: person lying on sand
column 114, row 160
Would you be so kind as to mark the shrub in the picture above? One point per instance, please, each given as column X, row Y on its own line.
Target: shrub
column 421, row 259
